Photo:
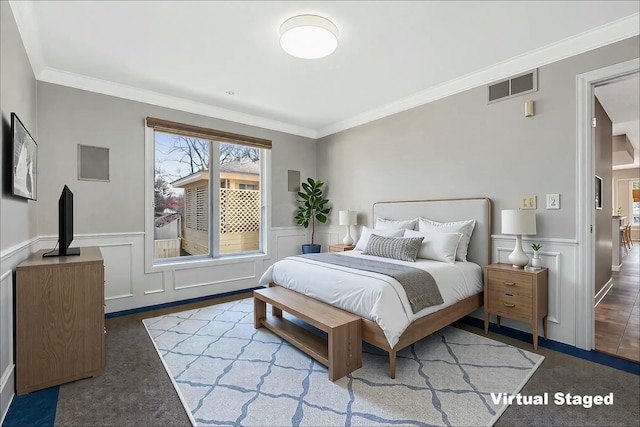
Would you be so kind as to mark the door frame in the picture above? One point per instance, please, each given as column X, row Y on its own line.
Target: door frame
column 585, row 269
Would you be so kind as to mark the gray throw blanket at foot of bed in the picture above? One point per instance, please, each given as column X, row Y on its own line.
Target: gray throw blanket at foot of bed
column 419, row 285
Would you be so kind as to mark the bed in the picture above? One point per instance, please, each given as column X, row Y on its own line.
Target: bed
column 387, row 319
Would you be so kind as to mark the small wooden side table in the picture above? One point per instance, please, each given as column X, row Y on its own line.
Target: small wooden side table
column 517, row 294
column 341, row 248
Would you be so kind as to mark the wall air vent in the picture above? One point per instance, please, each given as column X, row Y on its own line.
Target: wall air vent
column 513, row 86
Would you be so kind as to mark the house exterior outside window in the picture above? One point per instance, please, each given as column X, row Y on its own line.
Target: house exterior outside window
column 234, row 201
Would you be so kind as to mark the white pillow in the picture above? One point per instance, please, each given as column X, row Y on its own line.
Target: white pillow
column 437, row 246
column 388, row 224
column 464, row 227
column 366, row 234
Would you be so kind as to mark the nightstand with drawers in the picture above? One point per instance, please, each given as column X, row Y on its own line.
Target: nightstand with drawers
column 341, row 248
column 517, row 294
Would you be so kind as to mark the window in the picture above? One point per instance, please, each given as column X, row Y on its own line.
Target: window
column 186, row 201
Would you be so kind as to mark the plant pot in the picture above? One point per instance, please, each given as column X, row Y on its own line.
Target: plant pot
column 536, row 259
column 311, row 249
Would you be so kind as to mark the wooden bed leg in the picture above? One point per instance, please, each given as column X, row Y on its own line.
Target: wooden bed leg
column 392, row 364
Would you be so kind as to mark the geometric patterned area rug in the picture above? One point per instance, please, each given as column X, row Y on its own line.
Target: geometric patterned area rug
column 226, row 372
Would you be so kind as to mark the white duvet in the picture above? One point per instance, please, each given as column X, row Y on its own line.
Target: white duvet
column 374, row 296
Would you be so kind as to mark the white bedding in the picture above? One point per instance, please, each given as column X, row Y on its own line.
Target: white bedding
column 374, row 296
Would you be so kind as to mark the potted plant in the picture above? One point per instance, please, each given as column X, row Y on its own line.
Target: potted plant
column 536, row 257
column 312, row 208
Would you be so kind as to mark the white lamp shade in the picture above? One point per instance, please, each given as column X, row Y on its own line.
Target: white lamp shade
column 308, row 36
column 518, row 222
column 348, row 217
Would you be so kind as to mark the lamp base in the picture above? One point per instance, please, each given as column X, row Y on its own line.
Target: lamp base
column 348, row 240
column 518, row 258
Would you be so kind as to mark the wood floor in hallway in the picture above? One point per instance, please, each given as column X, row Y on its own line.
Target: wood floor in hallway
column 617, row 317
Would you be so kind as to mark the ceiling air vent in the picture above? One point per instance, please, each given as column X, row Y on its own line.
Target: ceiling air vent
column 514, row 86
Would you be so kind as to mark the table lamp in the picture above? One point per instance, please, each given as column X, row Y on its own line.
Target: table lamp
column 518, row 223
column 348, row 218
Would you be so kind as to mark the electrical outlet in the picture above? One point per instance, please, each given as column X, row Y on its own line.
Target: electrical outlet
column 528, row 202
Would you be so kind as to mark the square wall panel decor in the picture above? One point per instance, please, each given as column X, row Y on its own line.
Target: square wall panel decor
column 93, row 163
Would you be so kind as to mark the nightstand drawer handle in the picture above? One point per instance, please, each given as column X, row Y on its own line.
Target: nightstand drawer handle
column 509, row 305
column 509, row 283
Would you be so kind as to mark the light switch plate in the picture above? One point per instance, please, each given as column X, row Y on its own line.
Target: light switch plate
column 528, row 202
column 553, row 201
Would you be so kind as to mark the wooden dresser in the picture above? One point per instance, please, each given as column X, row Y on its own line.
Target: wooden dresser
column 59, row 312
column 517, row 294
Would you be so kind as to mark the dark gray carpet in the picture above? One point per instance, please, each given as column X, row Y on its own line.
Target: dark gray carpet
column 135, row 390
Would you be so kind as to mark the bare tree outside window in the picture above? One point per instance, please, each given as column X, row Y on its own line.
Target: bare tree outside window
column 181, row 196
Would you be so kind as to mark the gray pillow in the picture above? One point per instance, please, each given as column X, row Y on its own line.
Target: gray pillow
column 404, row 249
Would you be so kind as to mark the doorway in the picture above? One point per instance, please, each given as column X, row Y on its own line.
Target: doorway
column 610, row 312
column 585, row 291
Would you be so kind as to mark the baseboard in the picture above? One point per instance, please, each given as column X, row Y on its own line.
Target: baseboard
column 176, row 303
column 603, row 292
column 590, row 355
column 7, row 391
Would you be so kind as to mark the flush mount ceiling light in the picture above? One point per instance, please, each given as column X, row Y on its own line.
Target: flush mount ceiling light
column 308, row 36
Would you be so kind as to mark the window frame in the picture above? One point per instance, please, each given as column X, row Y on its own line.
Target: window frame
column 631, row 215
column 214, row 258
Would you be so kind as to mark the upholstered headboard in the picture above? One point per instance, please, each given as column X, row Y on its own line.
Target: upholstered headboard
column 446, row 210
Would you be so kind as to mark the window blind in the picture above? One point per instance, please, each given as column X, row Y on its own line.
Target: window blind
column 182, row 129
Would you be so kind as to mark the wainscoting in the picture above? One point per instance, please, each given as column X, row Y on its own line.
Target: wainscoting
column 128, row 286
column 559, row 255
column 8, row 261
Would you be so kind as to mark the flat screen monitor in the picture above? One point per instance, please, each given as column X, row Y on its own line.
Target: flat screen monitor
column 65, row 226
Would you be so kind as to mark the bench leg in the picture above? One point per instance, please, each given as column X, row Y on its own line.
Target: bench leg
column 345, row 350
column 259, row 312
column 392, row 364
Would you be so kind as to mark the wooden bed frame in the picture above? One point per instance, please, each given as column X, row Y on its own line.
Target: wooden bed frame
column 443, row 210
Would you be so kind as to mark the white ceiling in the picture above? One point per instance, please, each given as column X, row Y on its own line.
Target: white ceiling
column 392, row 55
column 621, row 100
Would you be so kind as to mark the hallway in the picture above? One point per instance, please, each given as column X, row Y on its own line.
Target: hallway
column 617, row 317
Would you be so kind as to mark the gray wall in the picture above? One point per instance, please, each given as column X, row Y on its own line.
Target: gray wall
column 68, row 117
column 18, row 225
column 603, row 163
column 461, row 147
column 18, row 95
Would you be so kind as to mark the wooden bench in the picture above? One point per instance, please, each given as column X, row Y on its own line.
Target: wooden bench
column 341, row 353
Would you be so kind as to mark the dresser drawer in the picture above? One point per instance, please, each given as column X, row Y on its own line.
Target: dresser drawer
column 516, row 284
column 510, row 305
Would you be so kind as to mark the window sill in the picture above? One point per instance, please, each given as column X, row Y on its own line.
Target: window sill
column 179, row 264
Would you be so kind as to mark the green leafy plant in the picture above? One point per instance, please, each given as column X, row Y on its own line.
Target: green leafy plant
column 312, row 205
column 535, row 246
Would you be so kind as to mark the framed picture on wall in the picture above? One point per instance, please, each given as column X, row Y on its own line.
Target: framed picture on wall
column 598, row 195
column 25, row 161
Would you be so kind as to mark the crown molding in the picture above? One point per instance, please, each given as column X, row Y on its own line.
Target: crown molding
column 78, row 81
column 580, row 43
